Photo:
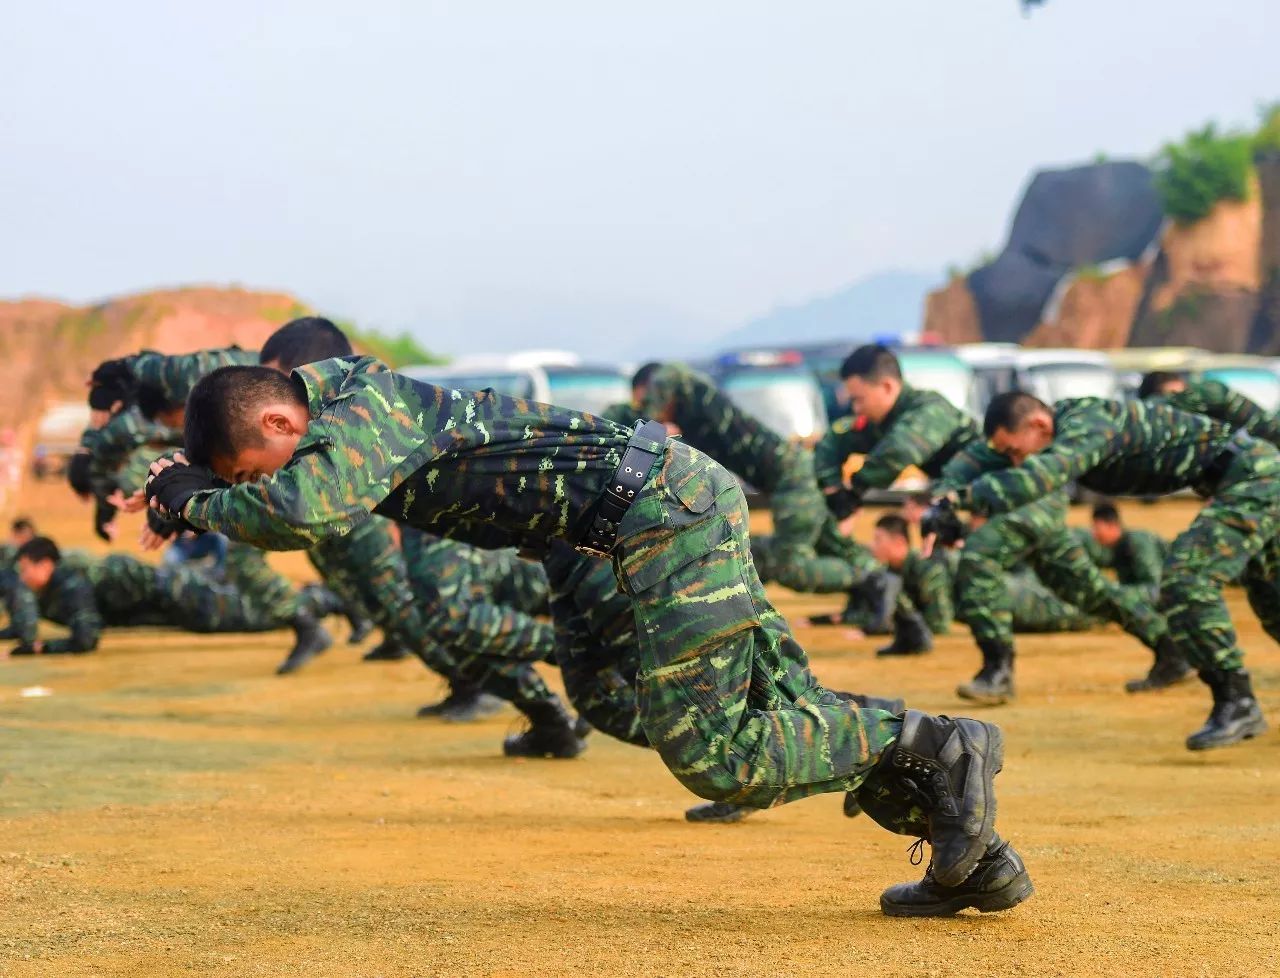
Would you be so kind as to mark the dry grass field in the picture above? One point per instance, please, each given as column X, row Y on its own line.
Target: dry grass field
column 173, row 808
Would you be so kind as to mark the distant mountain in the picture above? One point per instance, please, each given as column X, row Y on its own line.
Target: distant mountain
column 886, row 302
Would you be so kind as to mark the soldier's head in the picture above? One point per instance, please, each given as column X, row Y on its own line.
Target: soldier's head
column 913, row 508
column 1018, row 425
column 1107, row 527
column 640, row 385
column 244, row 422
column 872, row 377
column 891, row 540
column 155, row 406
column 112, row 388
column 37, row 560
column 302, row 341
column 21, row 530
column 1161, row 382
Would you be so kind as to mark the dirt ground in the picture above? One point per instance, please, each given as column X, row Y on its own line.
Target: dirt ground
column 175, row 809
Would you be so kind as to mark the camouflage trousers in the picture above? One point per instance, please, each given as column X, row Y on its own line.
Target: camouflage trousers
column 1037, row 535
column 596, row 645
column 1236, row 536
column 366, row 570
column 21, row 607
column 1036, row 609
column 514, row 582
column 474, row 639
column 807, row 551
column 724, row 690
column 267, row 596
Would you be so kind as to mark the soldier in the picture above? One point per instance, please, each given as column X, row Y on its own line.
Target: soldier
column 725, row 692
column 897, row 426
column 923, row 605
column 1150, row 448
column 1136, row 556
column 807, row 552
column 1213, row 399
column 121, row 591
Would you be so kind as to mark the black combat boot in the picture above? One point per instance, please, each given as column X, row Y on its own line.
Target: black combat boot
column 361, row 628
column 998, row 882
column 550, row 734
column 462, row 695
column 911, row 636
column 311, row 639
column 1235, row 715
column 718, row 811
column 388, row 650
column 936, row 782
column 1168, row 669
column 993, row 684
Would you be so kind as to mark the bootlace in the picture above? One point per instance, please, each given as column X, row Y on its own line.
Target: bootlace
column 916, row 852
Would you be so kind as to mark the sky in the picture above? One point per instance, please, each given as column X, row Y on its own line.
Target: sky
column 635, row 178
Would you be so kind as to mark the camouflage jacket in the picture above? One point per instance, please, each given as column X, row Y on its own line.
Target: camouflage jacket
column 68, row 600
column 927, row 582
column 474, row 465
column 1137, row 558
column 174, row 374
column 924, row 429
column 621, row 413
column 1216, row 400
column 112, row 446
column 20, row 605
column 1134, row 448
column 715, row 426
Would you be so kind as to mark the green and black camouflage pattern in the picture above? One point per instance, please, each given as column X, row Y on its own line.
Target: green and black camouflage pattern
column 1216, row 400
column 20, row 607
column 1137, row 558
column 175, row 374
column 492, row 470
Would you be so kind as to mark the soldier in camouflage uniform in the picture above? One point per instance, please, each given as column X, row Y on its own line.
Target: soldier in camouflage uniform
column 19, row 602
column 724, row 691
column 898, row 426
column 807, row 551
column 1136, row 556
column 922, row 604
column 121, row 591
column 1150, row 448
column 1213, row 399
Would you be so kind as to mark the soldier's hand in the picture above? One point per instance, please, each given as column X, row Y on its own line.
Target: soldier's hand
column 171, row 486
column 130, row 504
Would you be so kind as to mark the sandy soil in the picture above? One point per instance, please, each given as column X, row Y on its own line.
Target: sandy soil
column 175, row 809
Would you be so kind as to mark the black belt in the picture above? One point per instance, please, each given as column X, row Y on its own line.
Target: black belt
column 1212, row 474
column 618, row 496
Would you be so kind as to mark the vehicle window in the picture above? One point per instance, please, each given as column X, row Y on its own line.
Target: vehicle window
column 1260, row 386
column 1053, row 382
column 788, row 401
column 512, row 384
column 589, row 392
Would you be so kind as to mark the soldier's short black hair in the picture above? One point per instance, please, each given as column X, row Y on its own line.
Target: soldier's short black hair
column 894, row 524
column 642, row 376
column 22, row 524
column 221, row 420
column 1009, row 410
column 1154, row 382
column 305, row 340
column 40, row 548
column 871, row 362
column 922, row 498
column 151, row 400
column 1106, row 513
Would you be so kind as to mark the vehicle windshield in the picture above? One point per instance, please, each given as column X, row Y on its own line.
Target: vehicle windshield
column 1053, row 381
column 590, row 392
column 1259, row 385
column 512, row 384
column 951, row 378
column 787, row 399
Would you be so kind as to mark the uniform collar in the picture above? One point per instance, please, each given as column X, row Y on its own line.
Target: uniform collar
column 324, row 381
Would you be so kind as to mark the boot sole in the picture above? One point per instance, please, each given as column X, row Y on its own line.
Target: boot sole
column 1142, row 686
column 984, row 699
column 1253, row 731
column 1017, row 890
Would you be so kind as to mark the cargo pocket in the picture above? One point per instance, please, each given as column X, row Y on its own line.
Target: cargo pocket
column 672, row 551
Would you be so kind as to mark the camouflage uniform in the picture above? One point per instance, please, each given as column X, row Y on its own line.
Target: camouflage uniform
column 1216, row 400
column 1137, row 558
column 20, row 605
column 1147, row 448
column 597, row 648
column 1035, row 609
column 807, row 551
column 926, row 587
column 925, row 430
column 725, row 692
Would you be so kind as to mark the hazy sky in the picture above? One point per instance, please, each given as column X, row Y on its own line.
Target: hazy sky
column 496, row 173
